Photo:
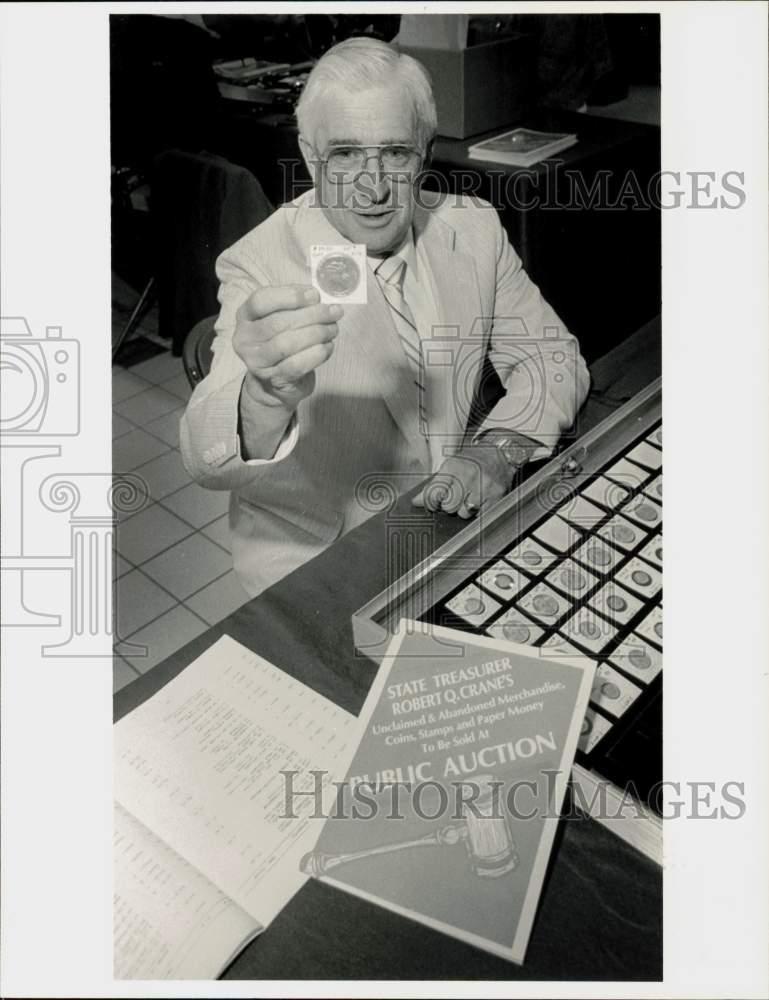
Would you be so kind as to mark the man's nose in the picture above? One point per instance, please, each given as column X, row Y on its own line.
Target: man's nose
column 374, row 182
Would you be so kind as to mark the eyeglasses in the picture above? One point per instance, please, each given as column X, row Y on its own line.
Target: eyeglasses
column 343, row 164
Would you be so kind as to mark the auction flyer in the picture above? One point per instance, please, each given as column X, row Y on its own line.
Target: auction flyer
column 449, row 807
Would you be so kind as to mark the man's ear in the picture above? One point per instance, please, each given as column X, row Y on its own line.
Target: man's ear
column 309, row 156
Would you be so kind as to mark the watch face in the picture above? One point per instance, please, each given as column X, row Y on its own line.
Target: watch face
column 513, row 452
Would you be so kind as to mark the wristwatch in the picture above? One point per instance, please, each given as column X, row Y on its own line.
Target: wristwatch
column 510, row 448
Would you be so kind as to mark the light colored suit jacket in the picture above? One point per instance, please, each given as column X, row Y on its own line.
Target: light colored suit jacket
column 359, row 437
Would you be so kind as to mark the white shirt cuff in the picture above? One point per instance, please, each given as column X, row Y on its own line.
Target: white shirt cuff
column 285, row 447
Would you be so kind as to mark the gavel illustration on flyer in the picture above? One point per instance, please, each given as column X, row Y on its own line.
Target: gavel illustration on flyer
column 485, row 833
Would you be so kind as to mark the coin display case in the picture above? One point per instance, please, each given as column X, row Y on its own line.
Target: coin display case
column 570, row 562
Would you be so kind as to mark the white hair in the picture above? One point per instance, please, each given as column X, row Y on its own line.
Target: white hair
column 362, row 63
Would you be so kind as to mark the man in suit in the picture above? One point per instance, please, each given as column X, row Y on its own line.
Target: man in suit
column 308, row 407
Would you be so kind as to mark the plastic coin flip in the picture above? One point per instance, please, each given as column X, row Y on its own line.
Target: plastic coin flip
column 572, row 579
column 627, row 474
column 644, row 511
column 605, row 492
column 654, row 489
column 473, row 605
column 616, row 603
column 612, row 692
column 647, row 455
column 556, row 645
column 544, row 604
column 622, row 533
column 594, row 728
column 531, row 557
column 638, row 658
column 589, row 630
column 640, row 577
column 582, row 513
column 652, row 551
column 515, row 627
column 557, row 533
column 651, row 626
column 597, row 555
column 503, row 581
column 338, row 271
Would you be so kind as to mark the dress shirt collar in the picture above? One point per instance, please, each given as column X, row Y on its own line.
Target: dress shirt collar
column 407, row 252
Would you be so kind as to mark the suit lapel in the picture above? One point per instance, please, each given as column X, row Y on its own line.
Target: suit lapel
column 458, row 345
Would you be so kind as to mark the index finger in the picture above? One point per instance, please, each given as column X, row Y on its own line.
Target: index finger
column 439, row 491
column 275, row 298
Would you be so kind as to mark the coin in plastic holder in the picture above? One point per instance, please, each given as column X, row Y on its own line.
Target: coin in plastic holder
column 581, row 512
column 616, row 603
column 503, row 581
column 571, row 578
column 605, row 492
column 531, row 557
column 653, row 551
column 640, row 577
column 556, row 645
column 636, row 657
column 621, row 533
column 596, row 554
column 339, row 272
column 473, row 605
column 651, row 627
column 544, row 604
column 515, row 627
column 556, row 533
column 587, row 629
column 647, row 455
column 627, row 474
column 644, row 511
column 594, row 728
column 612, row 692
column 654, row 488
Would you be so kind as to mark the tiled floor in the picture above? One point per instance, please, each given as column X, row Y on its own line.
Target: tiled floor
column 172, row 566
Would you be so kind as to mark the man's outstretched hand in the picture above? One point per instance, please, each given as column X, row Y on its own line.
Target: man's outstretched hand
column 282, row 335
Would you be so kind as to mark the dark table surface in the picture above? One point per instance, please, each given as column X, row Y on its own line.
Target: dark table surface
column 600, row 914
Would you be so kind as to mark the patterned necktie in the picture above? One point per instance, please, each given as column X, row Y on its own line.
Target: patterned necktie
column 391, row 272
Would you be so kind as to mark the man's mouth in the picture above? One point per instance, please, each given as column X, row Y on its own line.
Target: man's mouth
column 375, row 218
